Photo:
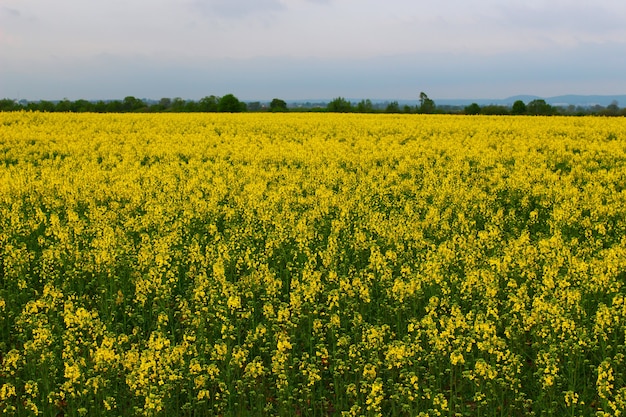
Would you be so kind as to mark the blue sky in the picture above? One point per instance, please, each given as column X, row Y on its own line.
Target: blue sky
column 310, row 49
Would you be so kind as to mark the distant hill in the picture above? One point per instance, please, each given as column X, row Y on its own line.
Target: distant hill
column 587, row 100
column 565, row 100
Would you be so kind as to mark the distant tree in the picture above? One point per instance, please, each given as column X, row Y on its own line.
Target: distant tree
column 427, row 105
column 81, row 106
column 64, row 106
column 191, row 106
column 164, row 104
column 519, row 107
column 494, row 110
column 612, row 109
column 595, row 109
column 208, row 104
column 7, row 104
column 114, row 106
column 365, row 106
column 278, row 105
column 473, row 108
column 128, row 104
column 254, row 106
column 132, row 104
column 581, row 111
column 178, row 105
column 230, row 104
column 392, row 107
column 32, row 106
column 100, row 106
column 46, row 106
column 569, row 110
column 539, row 107
column 339, row 105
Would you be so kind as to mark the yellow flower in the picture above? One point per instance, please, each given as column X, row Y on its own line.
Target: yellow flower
column 605, row 380
column 375, row 397
column 571, row 398
column 456, row 357
column 234, row 302
column 369, row 371
column 7, row 391
column 254, row 369
column 283, row 344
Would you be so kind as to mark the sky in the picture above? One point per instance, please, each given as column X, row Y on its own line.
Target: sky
column 310, row 49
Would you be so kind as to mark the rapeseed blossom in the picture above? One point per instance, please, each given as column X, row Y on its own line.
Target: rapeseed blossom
column 312, row 264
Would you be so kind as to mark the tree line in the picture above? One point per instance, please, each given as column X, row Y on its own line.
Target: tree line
column 231, row 104
column 537, row 107
column 540, row 107
column 227, row 103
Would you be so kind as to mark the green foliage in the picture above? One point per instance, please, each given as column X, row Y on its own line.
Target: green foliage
column 473, row 108
column 178, row 104
column 165, row 103
column 519, row 107
column 494, row 110
column 132, row 104
column 230, row 104
column 64, row 106
column 339, row 105
column 427, row 106
column 392, row 107
column 7, row 104
column 539, row 107
column 255, row 106
column 82, row 106
column 611, row 110
column 208, row 104
column 365, row 106
column 278, row 105
column 46, row 106
column 114, row 106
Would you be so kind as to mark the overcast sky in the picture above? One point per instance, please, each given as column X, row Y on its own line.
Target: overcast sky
column 310, row 49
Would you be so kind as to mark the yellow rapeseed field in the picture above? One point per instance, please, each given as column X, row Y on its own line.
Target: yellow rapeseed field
column 312, row 265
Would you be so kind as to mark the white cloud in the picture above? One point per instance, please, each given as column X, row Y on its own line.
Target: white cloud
column 576, row 18
column 235, row 9
column 9, row 12
column 307, row 44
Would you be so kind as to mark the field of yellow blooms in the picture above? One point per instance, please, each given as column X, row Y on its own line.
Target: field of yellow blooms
column 312, row 265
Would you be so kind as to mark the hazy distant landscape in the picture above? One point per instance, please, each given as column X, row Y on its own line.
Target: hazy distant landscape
column 563, row 100
column 560, row 101
column 568, row 105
